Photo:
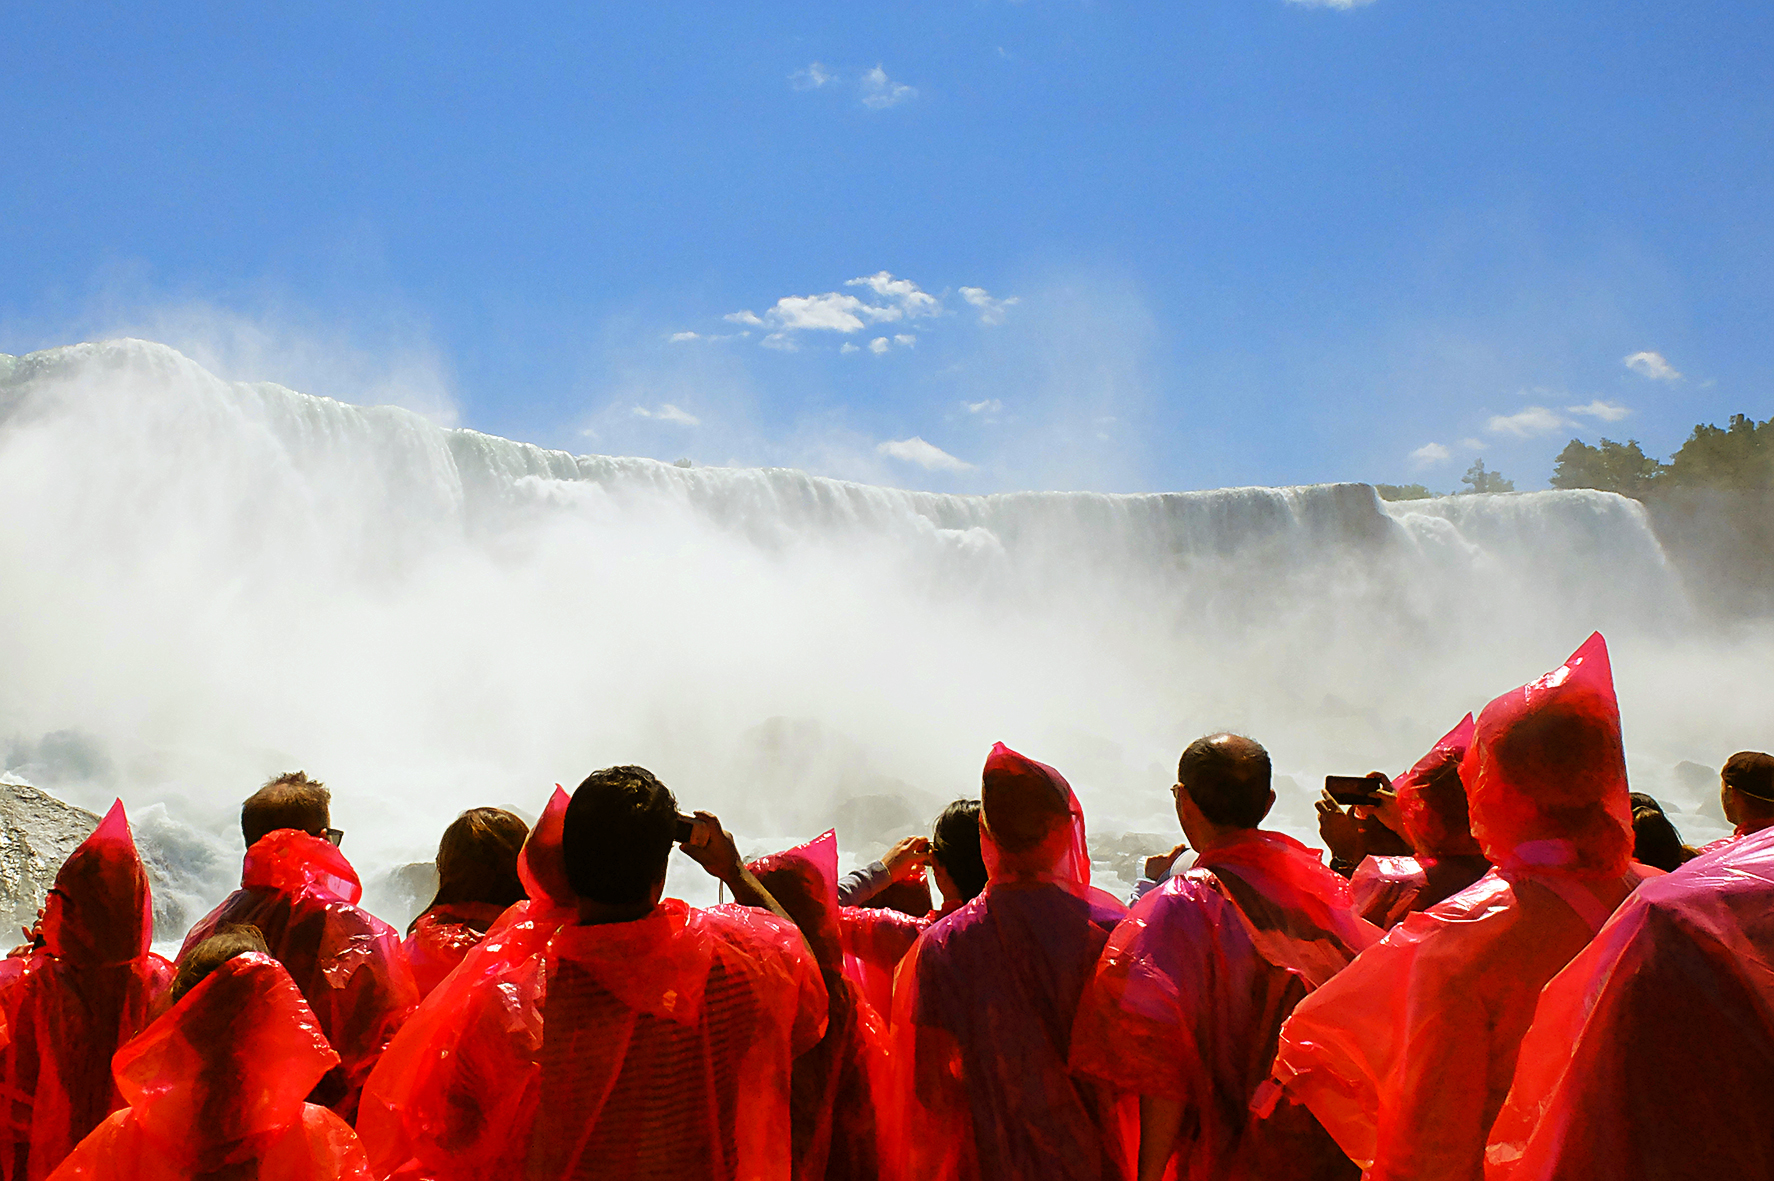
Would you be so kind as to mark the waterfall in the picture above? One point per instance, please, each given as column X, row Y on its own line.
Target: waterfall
column 206, row 582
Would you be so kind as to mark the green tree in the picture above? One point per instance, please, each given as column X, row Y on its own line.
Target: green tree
column 1486, row 481
column 1611, row 467
column 1739, row 457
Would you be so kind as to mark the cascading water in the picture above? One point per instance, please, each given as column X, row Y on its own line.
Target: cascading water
column 208, row 582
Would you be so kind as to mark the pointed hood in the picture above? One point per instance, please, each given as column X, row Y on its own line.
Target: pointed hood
column 1032, row 824
column 293, row 862
column 233, row 1060
column 100, row 910
column 541, row 866
column 1432, row 798
column 1546, row 773
column 804, row 880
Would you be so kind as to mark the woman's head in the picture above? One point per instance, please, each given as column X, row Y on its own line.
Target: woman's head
column 954, row 848
column 477, row 858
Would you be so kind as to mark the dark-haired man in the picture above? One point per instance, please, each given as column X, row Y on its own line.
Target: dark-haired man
column 633, row 1036
column 1195, row 983
column 301, row 893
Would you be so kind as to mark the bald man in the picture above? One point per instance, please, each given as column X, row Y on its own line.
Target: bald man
column 1195, row 983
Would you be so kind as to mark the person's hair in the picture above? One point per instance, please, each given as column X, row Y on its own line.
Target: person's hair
column 1751, row 773
column 1655, row 842
column 954, row 845
column 477, row 858
column 617, row 835
column 1643, row 800
column 1227, row 775
column 211, row 954
column 911, row 896
column 291, row 800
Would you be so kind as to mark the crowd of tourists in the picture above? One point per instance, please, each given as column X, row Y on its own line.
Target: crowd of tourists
column 1510, row 968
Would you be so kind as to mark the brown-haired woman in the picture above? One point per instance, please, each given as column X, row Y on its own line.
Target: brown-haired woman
column 476, row 880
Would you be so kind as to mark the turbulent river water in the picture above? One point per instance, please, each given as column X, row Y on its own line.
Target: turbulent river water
column 206, row 582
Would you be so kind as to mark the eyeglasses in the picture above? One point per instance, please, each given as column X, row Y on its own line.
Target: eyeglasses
column 334, row 835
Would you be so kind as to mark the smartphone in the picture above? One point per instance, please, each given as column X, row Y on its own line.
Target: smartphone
column 1353, row 789
column 690, row 831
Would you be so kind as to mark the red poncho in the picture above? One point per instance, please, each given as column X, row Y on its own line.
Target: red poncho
column 875, row 940
column 1194, row 985
column 983, row 1009
column 88, row 990
column 1432, row 801
column 840, row 1085
column 1406, row 1056
column 1650, row 1055
column 660, row 1047
column 442, row 936
column 301, row 894
column 215, row 1088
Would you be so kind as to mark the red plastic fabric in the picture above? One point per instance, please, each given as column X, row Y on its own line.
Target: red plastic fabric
column 1650, row 1055
column 1386, row 889
column 1406, row 1056
column 875, row 941
column 656, row 1047
column 1546, row 774
column 71, row 1003
column 982, row 1022
column 1194, row 986
column 301, row 894
column 840, row 1085
column 216, row 1086
column 442, row 936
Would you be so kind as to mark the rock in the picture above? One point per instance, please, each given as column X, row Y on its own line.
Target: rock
column 37, row 832
column 1124, row 854
column 400, row 894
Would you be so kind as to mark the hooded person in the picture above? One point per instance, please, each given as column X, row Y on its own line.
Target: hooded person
column 1433, row 810
column 837, row 1087
column 601, row 1030
column 215, row 1087
column 1185, row 1004
column 476, row 880
column 1649, row 1055
column 301, row 893
column 983, row 1004
column 89, row 987
column 877, row 939
column 1406, row 1056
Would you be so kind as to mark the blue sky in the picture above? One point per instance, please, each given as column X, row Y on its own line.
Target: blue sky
column 1021, row 245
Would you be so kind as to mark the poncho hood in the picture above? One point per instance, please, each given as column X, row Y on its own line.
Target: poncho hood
column 293, row 862
column 230, row 1064
column 100, row 910
column 1014, row 783
column 541, row 866
column 1432, row 798
column 1546, row 773
column 804, row 880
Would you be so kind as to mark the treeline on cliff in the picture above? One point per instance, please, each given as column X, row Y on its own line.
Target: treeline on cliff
column 1711, row 504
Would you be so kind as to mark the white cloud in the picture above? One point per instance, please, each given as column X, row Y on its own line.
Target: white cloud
column 989, row 406
column 905, row 340
column 878, row 345
column 1343, row 4
column 991, row 311
column 1535, row 420
column 879, row 91
column 811, row 78
column 744, row 318
column 668, row 413
column 685, row 337
column 1653, row 366
column 1430, row 454
column 1470, row 444
column 781, row 342
column 1606, row 411
column 928, row 456
column 849, row 348
column 680, row 337
column 903, row 292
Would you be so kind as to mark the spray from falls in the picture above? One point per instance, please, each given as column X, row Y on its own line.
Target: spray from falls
column 208, row 582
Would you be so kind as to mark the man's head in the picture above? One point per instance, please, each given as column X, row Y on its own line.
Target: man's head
column 1747, row 788
column 954, row 852
column 1222, row 779
column 292, row 800
column 211, row 954
column 617, row 836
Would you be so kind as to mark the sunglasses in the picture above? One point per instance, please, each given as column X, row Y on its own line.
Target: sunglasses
column 333, row 835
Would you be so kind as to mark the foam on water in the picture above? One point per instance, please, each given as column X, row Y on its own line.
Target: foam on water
column 207, row 582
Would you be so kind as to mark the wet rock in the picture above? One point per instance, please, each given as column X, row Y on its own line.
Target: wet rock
column 399, row 894
column 37, row 832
